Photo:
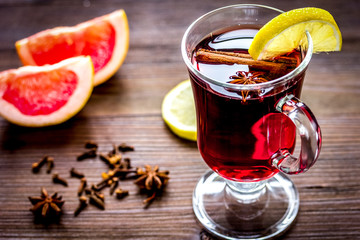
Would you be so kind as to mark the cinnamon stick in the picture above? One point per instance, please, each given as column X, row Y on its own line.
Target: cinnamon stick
column 209, row 56
column 291, row 62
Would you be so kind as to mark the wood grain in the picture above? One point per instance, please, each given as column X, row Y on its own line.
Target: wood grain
column 127, row 109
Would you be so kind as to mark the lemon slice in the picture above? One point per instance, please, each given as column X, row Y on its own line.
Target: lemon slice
column 178, row 111
column 287, row 32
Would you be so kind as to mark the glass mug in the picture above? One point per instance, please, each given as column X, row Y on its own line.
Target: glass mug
column 248, row 143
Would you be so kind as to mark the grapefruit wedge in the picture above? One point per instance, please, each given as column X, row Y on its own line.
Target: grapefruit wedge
column 105, row 39
column 37, row 96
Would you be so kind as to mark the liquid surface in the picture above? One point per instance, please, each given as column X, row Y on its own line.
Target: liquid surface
column 225, row 69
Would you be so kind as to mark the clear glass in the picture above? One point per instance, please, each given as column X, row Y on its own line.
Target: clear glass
column 228, row 202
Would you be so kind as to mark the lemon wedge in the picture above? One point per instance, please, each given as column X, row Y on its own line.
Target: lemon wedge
column 287, row 32
column 178, row 111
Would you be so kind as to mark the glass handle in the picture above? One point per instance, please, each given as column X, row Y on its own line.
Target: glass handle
column 310, row 135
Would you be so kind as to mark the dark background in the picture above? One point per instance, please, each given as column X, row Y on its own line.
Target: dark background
column 127, row 108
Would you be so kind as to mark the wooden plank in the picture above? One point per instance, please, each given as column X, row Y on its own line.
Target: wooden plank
column 329, row 191
column 127, row 109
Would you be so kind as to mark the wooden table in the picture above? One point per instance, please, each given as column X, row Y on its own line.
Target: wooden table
column 127, row 109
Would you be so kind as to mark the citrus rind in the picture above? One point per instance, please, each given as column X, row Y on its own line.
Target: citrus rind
column 287, row 31
column 178, row 111
column 81, row 66
column 117, row 19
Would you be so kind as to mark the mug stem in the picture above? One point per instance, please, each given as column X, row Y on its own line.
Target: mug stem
column 256, row 210
column 246, row 200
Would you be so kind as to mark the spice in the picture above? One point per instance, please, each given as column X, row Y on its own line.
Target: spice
column 119, row 170
column 75, row 173
column 112, row 158
column 82, row 205
column 82, row 186
column 57, row 179
column 88, row 154
column 113, row 151
column 87, row 191
column 37, row 165
column 50, row 164
column 97, row 200
column 45, row 206
column 99, row 195
column 244, row 78
column 149, row 179
column 119, row 173
column 126, row 164
column 114, row 185
column 104, row 158
column 91, row 144
column 150, row 199
column 98, row 188
column 125, row 148
column 152, row 180
column 121, row 193
column 210, row 56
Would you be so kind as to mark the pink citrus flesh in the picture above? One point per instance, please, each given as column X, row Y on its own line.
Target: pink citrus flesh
column 46, row 95
column 105, row 39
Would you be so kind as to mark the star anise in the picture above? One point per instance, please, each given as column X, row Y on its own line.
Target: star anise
column 152, row 180
column 46, row 206
column 243, row 77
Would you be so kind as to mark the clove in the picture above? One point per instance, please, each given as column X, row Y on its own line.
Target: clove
column 121, row 193
column 88, row 154
column 96, row 201
column 125, row 148
column 75, row 173
column 105, row 159
column 98, row 188
column 91, row 144
column 37, row 165
column 57, row 179
column 114, row 185
column 100, row 196
column 87, row 191
column 82, row 205
column 127, row 163
column 114, row 151
column 50, row 164
column 115, row 173
column 82, row 186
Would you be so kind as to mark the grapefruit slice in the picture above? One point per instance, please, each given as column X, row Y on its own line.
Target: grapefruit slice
column 37, row 96
column 105, row 39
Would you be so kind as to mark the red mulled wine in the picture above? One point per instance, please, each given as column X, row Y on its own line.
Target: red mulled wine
column 239, row 130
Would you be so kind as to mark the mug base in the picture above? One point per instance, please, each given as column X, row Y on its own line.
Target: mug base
column 264, row 213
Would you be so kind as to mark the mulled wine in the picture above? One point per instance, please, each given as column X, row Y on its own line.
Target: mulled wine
column 248, row 113
column 239, row 130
